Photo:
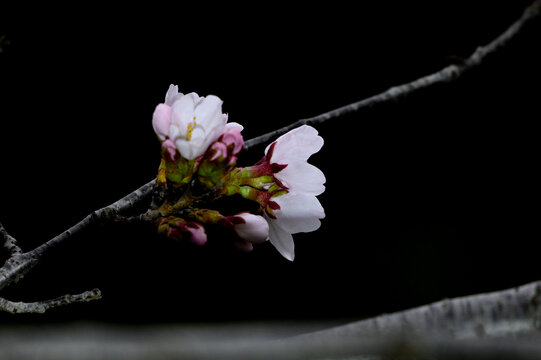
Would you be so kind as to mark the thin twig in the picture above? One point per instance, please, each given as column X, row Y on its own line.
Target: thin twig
column 19, row 264
column 449, row 73
column 108, row 212
column 41, row 306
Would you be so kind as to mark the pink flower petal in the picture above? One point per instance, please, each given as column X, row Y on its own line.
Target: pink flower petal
column 219, row 149
column 171, row 148
column 232, row 137
column 161, row 120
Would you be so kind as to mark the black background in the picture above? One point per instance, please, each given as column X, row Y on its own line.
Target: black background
column 430, row 197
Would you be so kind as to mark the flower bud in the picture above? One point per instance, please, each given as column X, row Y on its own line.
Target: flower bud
column 232, row 138
column 177, row 228
column 197, row 233
column 218, row 151
column 251, row 228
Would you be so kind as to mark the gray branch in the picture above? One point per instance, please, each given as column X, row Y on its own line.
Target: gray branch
column 447, row 74
column 20, row 263
column 41, row 306
column 10, row 243
column 106, row 213
column 501, row 313
column 500, row 325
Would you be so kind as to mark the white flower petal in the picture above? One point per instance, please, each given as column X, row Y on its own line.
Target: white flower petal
column 302, row 177
column 210, row 119
column 233, row 125
column 182, row 115
column 174, row 131
column 255, row 228
column 281, row 239
column 298, row 212
column 196, row 122
column 172, row 95
column 198, row 139
column 209, row 111
column 297, row 144
column 185, row 148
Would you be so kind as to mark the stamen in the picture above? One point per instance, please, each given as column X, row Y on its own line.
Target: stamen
column 191, row 126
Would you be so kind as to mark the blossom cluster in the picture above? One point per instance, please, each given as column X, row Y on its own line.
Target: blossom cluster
column 200, row 150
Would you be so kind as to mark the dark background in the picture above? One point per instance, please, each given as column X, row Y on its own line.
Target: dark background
column 430, row 197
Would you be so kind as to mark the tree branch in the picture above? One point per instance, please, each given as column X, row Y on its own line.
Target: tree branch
column 20, row 263
column 499, row 313
column 10, row 243
column 106, row 213
column 41, row 306
column 449, row 73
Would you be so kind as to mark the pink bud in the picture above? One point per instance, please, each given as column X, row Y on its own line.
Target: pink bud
column 219, row 149
column 233, row 138
column 170, row 147
column 197, row 233
column 252, row 228
column 244, row 246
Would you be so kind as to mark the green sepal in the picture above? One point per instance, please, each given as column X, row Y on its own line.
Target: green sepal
column 211, row 174
column 206, row 216
column 180, row 171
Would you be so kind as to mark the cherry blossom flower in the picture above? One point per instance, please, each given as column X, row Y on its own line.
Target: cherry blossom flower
column 296, row 209
column 189, row 122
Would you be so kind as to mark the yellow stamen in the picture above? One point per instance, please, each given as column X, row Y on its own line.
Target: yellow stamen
column 191, row 126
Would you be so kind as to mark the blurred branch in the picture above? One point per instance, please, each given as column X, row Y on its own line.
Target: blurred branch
column 449, row 73
column 448, row 329
column 511, row 311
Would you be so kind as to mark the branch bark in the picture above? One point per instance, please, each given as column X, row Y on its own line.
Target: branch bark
column 41, row 306
column 10, row 243
column 447, row 74
column 500, row 313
